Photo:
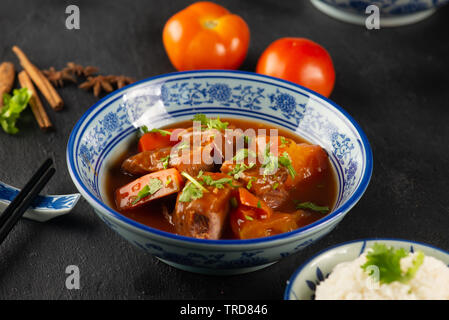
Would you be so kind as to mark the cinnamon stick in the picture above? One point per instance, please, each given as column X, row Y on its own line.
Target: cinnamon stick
column 7, row 75
column 48, row 91
column 35, row 103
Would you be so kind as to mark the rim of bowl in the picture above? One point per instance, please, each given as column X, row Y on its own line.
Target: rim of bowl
column 293, row 277
column 345, row 207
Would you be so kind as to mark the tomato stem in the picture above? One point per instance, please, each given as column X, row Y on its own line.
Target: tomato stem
column 210, row 24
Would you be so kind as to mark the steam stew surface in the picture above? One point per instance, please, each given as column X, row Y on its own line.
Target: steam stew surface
column 246, row 196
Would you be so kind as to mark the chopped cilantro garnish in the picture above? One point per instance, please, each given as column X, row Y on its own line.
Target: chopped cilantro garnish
column 388, row 261
column 270, row 162
column 312, row 206
column 153, row 186
column 259, row 205
column 285, row 161
column 144, row 129
column 182, row 145
column 239, row 168
column 162, row 132
column 242, row 154
column 250, row 183
column 168, row 181
column 249, row 218
column 190, row 192
column 275, row 185
column 283, row 142
column 211, row 123
column 216, row 183
column 194, row 181
column 165, row 161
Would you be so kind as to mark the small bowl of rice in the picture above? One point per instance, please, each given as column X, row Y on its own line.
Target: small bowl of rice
column 373, row 269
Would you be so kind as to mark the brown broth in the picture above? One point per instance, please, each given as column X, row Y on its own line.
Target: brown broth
column 322, row 190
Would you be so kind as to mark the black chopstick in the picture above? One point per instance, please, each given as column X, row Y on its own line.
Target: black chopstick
column 22, row 194
column 23, row 200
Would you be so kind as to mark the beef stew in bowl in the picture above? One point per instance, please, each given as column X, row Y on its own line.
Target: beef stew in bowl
column 249, row 180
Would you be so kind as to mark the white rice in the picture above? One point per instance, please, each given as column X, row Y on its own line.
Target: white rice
column 348, row 281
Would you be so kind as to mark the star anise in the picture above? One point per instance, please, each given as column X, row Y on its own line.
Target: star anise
column 98, row 83
column 121, row 81
column 58, row 77
column 79, row 70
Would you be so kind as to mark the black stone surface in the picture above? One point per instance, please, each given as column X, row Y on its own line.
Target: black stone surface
column 394, row 82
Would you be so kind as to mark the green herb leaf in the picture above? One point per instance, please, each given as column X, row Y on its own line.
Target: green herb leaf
column 249, row 218
column 216, row 183
column 275, row 185
column 388, row 261
column 143, row 129
column 242, row 154
column 211, row 123
column 194, row 181
column 190, row 192
column 285, row 161
column 312, row 206
column 284, row 142
column 182, row 145
column 193, row 189
column 250, row 183
column 12, row 107
column 270, row 162
column 152, row 187
column 168, row 181
column 416, row 263
column 259, row 205
column 239, row 168
column 162, row 132
column 165, row 161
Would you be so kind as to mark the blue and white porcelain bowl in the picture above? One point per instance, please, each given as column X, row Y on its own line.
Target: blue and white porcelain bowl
column 108, row 127
column 393, row 13
column 303, row 282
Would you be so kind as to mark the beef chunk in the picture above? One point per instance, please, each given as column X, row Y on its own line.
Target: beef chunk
column 304, row 162
column 204, row 217
column 270, row 188
column 146, row 162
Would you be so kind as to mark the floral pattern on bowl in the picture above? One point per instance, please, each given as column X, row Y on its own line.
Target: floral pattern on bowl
column 43, row 208
column 111, row 124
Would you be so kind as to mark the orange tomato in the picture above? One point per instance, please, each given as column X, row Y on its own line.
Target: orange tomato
column 299, row 60
column 206, row 36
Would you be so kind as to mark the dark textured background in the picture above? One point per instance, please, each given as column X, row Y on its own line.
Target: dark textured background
column 394, row 82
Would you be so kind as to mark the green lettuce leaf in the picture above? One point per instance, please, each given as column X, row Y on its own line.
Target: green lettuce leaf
column 12, row 108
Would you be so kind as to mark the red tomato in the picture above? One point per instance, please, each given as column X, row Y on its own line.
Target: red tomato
column 205, row 36
column 301, row 61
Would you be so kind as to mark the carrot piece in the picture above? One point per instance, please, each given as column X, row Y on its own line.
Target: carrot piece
column 147, row 188
column 307, row 160
column 248, row 199
column 277, row 223
column 156, row 140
